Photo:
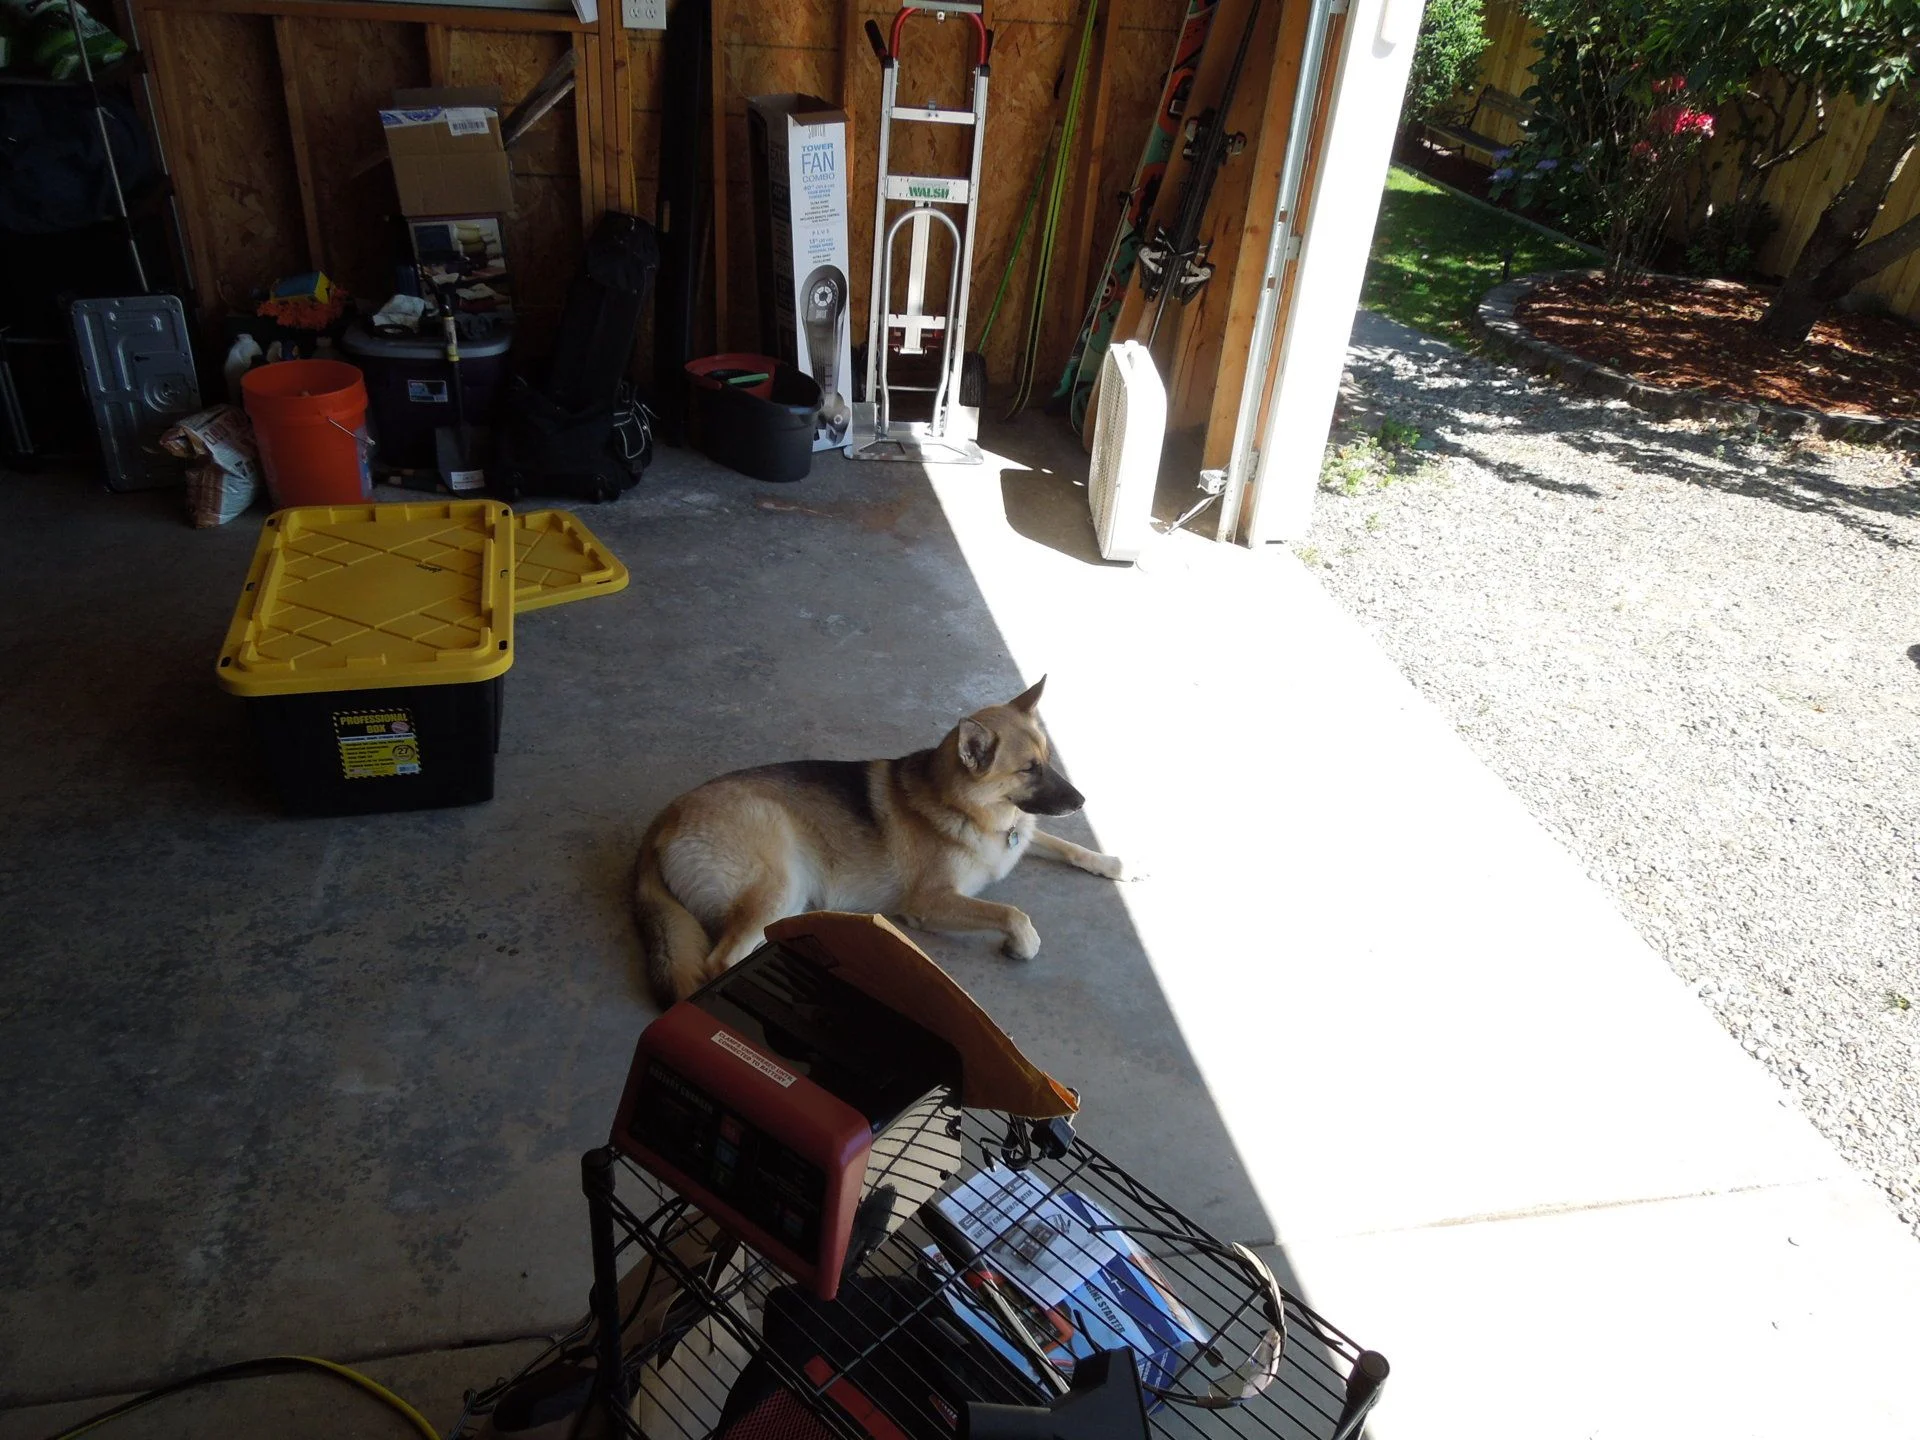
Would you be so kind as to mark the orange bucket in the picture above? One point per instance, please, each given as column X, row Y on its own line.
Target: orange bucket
column 310, row 423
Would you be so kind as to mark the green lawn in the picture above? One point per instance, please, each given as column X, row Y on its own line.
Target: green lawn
column 1435, row 254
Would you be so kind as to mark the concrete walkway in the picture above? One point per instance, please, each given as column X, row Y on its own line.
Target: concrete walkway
column 1363, row 1011
column 1497, row 1138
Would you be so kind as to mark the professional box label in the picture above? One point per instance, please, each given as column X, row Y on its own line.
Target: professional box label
column 375, row 744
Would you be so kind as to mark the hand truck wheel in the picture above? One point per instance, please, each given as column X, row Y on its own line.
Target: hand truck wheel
column 973, row 378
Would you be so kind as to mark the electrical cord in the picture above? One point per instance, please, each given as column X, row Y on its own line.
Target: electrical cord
column 477, row 1403
column 574, row 1347
column 249, row 1369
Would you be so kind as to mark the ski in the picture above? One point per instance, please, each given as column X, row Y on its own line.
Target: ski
column 1103, row 309
column 1173, row 263
column 1060, row 157
column 1166, row 250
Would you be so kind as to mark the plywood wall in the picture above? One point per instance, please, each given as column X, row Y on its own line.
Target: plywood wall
column 543, row 234
column 1201, row 324
column 272, row 129
column 271, row 120
column 341, row 72
column 766, row 47
column 817, row 47
column 798, row 46
column 236, row 180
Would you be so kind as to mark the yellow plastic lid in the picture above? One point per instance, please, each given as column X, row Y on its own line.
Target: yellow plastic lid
column 365, row 597
column 557, row 559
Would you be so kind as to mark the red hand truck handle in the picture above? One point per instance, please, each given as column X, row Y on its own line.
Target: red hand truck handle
column 983, row 37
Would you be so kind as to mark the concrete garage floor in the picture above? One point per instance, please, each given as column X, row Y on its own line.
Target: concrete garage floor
column 321, row 1086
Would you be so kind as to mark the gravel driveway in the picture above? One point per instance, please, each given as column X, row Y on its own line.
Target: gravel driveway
column 1696, row 656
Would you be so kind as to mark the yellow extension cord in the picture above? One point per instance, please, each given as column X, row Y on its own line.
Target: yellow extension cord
column 268, row 1365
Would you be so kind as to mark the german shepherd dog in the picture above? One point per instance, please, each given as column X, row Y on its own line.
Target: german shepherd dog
column 917, row 837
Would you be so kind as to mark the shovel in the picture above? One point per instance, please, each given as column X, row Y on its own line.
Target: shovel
column 455, row 453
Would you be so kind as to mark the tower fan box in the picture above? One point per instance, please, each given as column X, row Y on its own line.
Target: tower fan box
column 799, row 158
column 1128, row 430
column 769, row 1095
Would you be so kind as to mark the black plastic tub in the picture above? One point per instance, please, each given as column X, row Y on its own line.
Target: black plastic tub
column 360, row 752
column 371, row 645
column 764, row 427
column 410, row 391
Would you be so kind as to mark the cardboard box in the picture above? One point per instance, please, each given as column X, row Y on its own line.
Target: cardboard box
column 872, row 954
column 446, row 150
column 799, row 154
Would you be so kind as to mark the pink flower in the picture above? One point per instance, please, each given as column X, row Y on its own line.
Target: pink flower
column 1681, row 122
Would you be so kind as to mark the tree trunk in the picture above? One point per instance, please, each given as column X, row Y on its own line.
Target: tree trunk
column 1834, row 260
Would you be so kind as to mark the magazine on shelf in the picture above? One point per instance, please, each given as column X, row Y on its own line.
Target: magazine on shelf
column 1080, row 1283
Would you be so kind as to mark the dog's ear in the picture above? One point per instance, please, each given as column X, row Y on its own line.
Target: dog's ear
column 977, row 744
column 1027, row 703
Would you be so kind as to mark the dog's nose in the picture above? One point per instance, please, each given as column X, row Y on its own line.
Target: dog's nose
column 1065, row 796
column 1052, row 796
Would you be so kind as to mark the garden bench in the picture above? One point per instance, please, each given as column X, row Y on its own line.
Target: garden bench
column 1469, row 139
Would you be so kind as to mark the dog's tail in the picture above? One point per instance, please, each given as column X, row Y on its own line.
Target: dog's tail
column 673, row 943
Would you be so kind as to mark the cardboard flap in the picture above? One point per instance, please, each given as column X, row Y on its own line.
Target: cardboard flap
column 485, row 97
column 802, row 109
column 446, row 151
column 869, row 953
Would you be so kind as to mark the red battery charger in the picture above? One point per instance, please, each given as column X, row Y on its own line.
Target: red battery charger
column 760, row 1097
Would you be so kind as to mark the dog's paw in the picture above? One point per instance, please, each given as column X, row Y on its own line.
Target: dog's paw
column 1110, row 866
column 1023, row 941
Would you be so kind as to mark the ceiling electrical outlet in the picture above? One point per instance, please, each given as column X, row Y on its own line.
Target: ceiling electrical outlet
column 643, row 14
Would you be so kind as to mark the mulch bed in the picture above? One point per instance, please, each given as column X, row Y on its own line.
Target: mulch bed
column 1705, row 335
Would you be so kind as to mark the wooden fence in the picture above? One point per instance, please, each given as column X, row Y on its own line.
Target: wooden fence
column 1797, row 191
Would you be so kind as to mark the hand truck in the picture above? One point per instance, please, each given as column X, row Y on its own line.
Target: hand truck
column 950, row 435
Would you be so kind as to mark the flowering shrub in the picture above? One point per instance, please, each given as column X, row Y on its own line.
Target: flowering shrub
column 1609, row 138
column 1759, row 78
column 1680, row 121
